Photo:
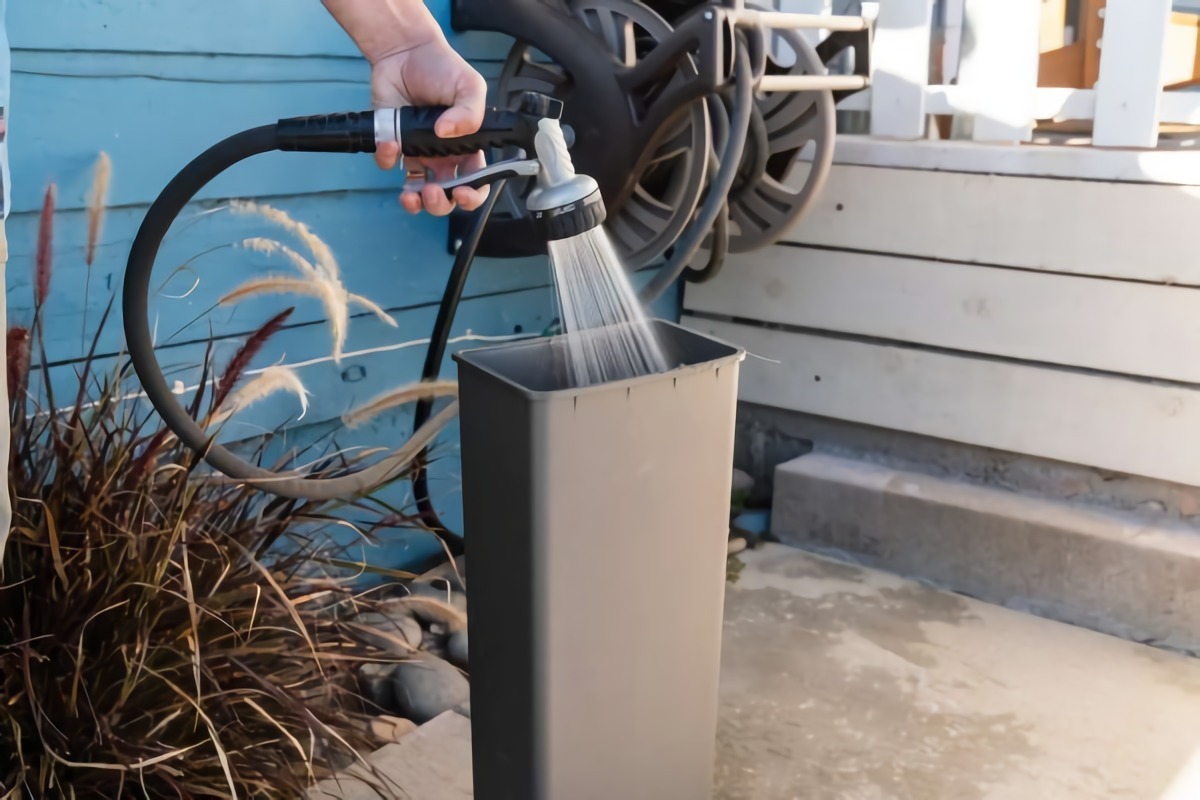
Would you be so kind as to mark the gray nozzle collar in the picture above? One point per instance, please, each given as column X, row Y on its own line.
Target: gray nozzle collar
column 545, row 198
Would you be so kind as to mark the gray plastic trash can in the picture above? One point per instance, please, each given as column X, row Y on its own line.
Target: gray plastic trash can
column 598, row 521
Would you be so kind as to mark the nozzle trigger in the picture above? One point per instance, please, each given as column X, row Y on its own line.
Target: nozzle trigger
column 490, row 174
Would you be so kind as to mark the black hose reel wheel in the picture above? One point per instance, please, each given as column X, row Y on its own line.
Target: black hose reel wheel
column 671, row 178
column 787, row 159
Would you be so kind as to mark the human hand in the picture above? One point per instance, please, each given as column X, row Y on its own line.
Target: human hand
column 431, row 74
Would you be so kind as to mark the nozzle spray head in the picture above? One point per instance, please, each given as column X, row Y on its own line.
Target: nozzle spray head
column 563, row 203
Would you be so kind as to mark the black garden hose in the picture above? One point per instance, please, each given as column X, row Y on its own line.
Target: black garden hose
column 438, row 341
column 140, row 341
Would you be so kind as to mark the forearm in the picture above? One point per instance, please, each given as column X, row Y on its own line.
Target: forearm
column 383, row 27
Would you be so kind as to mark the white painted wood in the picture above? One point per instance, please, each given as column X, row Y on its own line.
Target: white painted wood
column 859, row 101
column 1119, row 424
column 808, row 83
column 1166, row 166
column 1043, row 103
column 1115, row 326
column 998, row 68
column 1049, row 103
column 1131, row 63
column 799, row 20
column 952, row 32
column 1181, row 108
column 1140, row 231
column 900, row 68
column 797, row 9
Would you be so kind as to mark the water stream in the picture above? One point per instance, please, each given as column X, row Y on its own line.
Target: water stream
column 597, row 299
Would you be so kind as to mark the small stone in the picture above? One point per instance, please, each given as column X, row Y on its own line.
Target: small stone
column 430, row 611
column 456, row 649
column 1153, row 507
column 736, row 545
column 391, row 729
column 434, row 643
column 375, row 683
column 742, row 482
column 427, row 687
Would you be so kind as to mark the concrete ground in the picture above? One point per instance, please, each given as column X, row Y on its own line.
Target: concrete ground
column 848, row 683
column 844, row 683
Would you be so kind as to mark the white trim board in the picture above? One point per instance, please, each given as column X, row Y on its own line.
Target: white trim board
column 1123, row 230
column 1046, row 103
column 1114, row 326
column 1129, row 87
column 1165, row 165
column 1110, row 423
column 1049, row 103
column 900, row 68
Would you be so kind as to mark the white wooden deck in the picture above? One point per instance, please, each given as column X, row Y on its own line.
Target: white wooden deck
column 1035, row 298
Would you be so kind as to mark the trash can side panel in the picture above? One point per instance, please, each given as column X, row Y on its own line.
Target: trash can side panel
column 499, row 471
column 636, row 513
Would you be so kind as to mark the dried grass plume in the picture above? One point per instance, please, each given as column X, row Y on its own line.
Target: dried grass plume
column 268, row 382
column 101, row 177
column 44, row 260
column 398, row 397
column 319, row 278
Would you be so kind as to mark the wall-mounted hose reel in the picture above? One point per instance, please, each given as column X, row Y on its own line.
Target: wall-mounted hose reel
column 650, row 95
column 699, row 139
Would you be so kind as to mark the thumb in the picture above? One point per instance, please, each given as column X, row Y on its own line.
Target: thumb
column 466, row 115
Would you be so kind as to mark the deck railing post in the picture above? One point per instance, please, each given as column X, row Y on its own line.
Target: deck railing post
column 1129, row 90
column 900, row 73
column 998, row 69
column 814, row 35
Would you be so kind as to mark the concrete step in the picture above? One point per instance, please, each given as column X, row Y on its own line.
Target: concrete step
column 1106, row 570
column 431, row 763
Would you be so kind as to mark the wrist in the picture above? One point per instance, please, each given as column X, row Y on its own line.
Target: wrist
column 383, row 28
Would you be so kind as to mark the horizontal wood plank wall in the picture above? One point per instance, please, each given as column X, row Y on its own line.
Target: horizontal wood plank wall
column 261, row 27
column 153, row 83
column 1116, row 326
column 1118, row 230
column 1048, row 316
column 1116, row 424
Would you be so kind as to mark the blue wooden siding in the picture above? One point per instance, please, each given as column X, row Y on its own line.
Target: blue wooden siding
column 154, row 82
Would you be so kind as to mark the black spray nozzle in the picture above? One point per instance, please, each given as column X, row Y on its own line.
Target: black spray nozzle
column 501, row 128
column 413, row 128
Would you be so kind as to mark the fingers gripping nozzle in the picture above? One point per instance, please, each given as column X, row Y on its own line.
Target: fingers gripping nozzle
column 562, row 204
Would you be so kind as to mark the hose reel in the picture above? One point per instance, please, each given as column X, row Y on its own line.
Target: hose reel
column 694, row 133
column 647, row 86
